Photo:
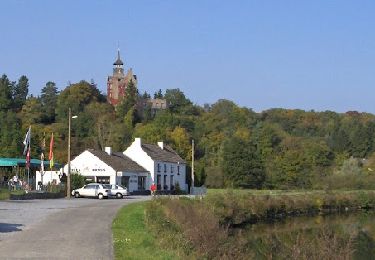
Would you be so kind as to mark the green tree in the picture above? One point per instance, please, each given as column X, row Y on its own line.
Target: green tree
column 158, row 94
column 20, row 91
column 77, row 96
column 48, row 99
column 6, row 98
column 242, row 164
column 129, row 100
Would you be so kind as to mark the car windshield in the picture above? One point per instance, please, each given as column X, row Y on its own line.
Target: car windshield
column 120, row 187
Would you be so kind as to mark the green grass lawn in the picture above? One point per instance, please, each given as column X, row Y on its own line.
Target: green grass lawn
column 5, row 193
column 132, row 239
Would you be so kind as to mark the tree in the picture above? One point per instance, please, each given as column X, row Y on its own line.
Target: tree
column 48, row 99
column 31, row 111
column 6, row 98
column 129, row 100
column 77, row 96
column 242, row 164
column 158, row 94
column 20, row 91
column 176, row 100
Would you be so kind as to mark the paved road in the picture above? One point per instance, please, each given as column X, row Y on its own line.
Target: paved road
column 59, row 229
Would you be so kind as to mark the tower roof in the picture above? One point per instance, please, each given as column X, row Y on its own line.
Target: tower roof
column 118, row 61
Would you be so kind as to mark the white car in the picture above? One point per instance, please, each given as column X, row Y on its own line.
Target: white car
column 91, row 190
column 116, row 190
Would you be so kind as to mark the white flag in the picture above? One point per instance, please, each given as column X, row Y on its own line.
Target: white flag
column 26, row 142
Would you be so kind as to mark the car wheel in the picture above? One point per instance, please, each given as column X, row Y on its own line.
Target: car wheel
column 119, row 195
column 76, row 195
column 100, row 196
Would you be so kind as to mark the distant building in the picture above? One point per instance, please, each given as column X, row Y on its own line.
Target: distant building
column 119, row 81
column 154, row 105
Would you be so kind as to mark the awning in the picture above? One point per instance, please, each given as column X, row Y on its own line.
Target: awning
column 35, row 163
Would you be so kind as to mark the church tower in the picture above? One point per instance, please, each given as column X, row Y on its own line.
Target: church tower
column 118, row 82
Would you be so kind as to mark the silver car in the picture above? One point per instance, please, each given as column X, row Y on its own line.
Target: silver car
column 117, row 191
column 91, row 190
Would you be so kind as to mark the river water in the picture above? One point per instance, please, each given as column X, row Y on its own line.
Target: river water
column 338, row 236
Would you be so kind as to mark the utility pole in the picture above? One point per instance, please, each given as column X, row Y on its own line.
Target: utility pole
column 68, row 174
column 192, row 167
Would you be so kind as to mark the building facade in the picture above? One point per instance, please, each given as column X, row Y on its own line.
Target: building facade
column 110, row 168
column 119, row 81
column 167, row 169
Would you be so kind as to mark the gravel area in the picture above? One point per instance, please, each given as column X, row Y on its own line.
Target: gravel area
column 16, row 216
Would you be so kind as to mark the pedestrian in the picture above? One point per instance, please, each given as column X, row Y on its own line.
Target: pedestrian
column 153, row 189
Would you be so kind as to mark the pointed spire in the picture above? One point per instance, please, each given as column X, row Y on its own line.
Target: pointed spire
column 118, row 62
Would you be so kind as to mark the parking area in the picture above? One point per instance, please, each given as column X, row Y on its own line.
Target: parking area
column 82, row 226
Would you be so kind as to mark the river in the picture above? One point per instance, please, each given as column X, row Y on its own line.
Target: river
column 338, row 236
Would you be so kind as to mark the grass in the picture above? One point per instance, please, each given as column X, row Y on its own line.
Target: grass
column 132, row 239
column 5, row 193
column 279, row 192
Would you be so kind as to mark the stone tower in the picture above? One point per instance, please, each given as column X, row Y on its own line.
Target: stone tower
column 118, row 82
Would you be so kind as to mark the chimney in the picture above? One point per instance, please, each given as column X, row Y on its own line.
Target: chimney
column 161, row 145
column 138, row 141
column 108, row 150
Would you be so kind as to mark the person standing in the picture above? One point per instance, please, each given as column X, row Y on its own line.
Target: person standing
column 153, row 189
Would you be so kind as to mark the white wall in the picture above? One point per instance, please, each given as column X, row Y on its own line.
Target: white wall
column 88, row 164
column 136, row 153
column 48, row 177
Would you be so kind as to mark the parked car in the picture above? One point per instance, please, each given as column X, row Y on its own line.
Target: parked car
column 117, row 191
column 91, row 190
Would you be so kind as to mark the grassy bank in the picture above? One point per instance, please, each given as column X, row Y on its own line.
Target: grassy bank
column 131, row 237
column 5, row 193
column 204, row 228
column 166, row 228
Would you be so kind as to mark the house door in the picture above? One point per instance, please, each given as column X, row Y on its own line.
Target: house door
column 141, row 182
column 158, row 182
column 125, row 181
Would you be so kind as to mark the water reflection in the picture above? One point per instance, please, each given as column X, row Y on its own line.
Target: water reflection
column 344, row 236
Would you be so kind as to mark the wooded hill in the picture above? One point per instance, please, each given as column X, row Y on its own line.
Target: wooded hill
column 235, row 147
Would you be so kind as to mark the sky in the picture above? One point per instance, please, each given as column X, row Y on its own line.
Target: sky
column 311, row 55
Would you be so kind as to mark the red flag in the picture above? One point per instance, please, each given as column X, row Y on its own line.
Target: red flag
column 50, row 157
column 28, row 158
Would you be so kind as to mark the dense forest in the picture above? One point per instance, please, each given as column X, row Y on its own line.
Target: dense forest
column 235, row 147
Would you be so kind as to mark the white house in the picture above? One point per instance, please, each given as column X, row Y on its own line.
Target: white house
column 165, row 166
column 110, row 168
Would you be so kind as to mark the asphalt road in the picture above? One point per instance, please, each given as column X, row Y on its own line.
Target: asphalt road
column 60, row 228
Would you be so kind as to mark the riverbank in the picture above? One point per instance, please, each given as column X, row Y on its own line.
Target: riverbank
column 204, row 227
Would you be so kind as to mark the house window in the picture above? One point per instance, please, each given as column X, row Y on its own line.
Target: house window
column 165, row 167
column 165, row 187
column 158, row 181
column 172, row 168
column 141, row 182
column 178, row 169
column 102, row 179
column 158, row 167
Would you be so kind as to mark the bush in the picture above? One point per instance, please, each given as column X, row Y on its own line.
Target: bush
column 77, row 181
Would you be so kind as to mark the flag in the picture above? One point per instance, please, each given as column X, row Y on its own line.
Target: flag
column 28, row 159
column 26, row 141
column 50, row 157
column 43, row 146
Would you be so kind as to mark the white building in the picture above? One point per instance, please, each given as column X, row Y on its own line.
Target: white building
column 166, row 167
column 110, row 168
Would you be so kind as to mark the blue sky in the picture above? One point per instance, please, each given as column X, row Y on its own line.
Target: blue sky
column 260, row 54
